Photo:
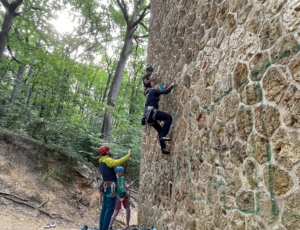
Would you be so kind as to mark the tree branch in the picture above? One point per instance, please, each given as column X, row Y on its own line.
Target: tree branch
column 140, row 2
column 25, row 203
column 123, row 10
column 5, row 4
column 14, row 5
column 143, row 25
column 142, row 16
column 137, row 37
column 76, row 47
column 12, row 56
column 28, row 9
column 92, row 47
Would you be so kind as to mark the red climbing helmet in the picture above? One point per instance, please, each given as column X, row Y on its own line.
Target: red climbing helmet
column 103, row 149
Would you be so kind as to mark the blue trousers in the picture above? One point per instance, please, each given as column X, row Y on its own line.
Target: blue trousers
column 108, row 206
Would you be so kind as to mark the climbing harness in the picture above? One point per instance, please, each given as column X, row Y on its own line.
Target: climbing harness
column 104, row 184
column 150, row 115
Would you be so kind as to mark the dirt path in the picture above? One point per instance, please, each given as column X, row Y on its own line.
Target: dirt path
column 14, row 221
column 29, row 184
column 10, row 220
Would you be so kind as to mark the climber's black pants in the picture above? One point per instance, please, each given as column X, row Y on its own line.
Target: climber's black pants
column 162, row 131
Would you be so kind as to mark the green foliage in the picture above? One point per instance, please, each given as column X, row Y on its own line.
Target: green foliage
column 117, row 16
column 51, row 174
column 60, row 97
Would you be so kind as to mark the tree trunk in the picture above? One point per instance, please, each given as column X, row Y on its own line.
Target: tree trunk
column 7, row 22
column 116, row 83
column 6, row 26
column 17, row 83
column 133, row 97
column 106, row 87
column 64, row 88
column 28, row 95
column 106, row 126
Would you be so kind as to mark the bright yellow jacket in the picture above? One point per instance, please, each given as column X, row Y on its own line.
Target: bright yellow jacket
column 107, row 164
column 113, row 163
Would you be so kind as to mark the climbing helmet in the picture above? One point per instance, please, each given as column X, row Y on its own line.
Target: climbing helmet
column 160, row 86
column 103, row 149
column 120, row 169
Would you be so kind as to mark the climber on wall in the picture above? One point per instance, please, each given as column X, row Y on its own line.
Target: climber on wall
column 106, row 165
column 152, row 115
column 147, row 79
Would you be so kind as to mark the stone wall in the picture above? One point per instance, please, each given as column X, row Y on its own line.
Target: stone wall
column 235, row 161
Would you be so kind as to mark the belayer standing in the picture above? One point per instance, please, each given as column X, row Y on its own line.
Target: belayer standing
column 106, row 165
column 148, row 78
column 152, row 115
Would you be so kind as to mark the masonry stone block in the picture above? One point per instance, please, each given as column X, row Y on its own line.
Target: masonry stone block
column 284, row 49
column 291, row 15
column 238, row 153
column 294, row 68
column 222, row 11
column 243, row 9
column 220, row 217
column 245, row 200
column 266, row 119
column 259, row 148
column 228, row 107
column 252, row 94
column 233, row 5
column 274, row 84
column 259, row 65
column 267, row 206
column 255, row 20
column 244, row 122
column 290, row 215
column 287, row 147
column 277, row 181
column 240, row 77
column 291, row 103
column 250, row 173
column 273, row 7
column 253, row 223
column 229, row 24
column 270, row 33
column 237, row 221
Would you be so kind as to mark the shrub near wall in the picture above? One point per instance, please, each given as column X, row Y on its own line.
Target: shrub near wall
column 235, row 161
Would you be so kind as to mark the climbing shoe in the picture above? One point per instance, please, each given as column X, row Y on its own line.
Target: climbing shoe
column 165, row 138
column 47, row 226
column 164, row 151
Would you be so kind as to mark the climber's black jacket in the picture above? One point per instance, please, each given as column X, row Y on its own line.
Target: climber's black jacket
column 152, row 96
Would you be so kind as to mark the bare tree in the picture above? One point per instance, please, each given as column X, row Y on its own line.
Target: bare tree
column 136, row 18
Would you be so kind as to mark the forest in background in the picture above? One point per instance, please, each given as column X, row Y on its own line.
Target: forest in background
column 56, row 87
